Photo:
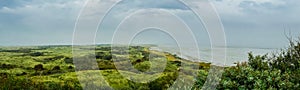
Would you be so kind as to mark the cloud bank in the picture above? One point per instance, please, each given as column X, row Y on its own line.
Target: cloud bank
column 248, row 23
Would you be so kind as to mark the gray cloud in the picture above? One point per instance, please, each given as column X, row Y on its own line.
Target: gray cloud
column 258, row 23
column 251, row 23
column 38, row 22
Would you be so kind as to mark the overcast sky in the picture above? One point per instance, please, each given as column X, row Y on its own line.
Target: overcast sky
column 247, row 23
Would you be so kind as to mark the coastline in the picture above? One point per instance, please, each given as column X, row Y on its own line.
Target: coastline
column 185, row 57
column 233, row 55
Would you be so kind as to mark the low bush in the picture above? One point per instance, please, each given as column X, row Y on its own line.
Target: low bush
column 36, row 54
column 279, row 71
column 38, row 67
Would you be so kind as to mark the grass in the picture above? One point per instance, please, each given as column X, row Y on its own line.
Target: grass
column 51, row 67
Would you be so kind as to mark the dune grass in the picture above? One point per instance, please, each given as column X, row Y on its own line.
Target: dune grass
column 51, row 67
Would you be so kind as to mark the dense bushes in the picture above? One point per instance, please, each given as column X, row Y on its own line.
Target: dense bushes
column 288, row 60
column 103, row 65
column 279, row 71
column 258, row 62
column 15, row 83
column 245, row 77
column 104, row 55
column 36, row 54
column 7, row 66
column 38, row 67
column 21, row 50
column 163, row 82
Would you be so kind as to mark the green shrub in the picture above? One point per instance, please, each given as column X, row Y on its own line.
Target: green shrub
column 163, row 82
column 104, row 65
column 38, row 67
column 280, row 71
column 258, row 62
column 7, row 66
column 142, row 66
column 68, row 60
column 288, row 60
column 36, row 54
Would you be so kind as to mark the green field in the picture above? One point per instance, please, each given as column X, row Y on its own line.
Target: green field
column 52, row 67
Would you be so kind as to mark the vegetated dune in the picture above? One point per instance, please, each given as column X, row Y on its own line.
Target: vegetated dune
column 51, row 67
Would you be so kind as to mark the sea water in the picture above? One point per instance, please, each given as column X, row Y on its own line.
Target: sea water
column 204, row 54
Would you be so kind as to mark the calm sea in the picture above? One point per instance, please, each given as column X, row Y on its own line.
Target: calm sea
column 205, row 54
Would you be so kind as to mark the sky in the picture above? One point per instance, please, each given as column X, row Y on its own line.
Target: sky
column 247, row 23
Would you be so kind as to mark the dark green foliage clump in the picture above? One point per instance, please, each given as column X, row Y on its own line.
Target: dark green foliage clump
column 21, row 74
column 258, row 62
column 288, row 60
column 15, row 83
column 104, row 55
column 36, row 54
column 21, row 50
column 55, row 58
column 163, row 83
column 104, row 65
column 56, row 68
column 7, row 66
column 68, row 60
column 38, row 67
column 279, row 71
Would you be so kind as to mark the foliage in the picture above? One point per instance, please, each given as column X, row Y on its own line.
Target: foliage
column 51, row 68
column 279, row 71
